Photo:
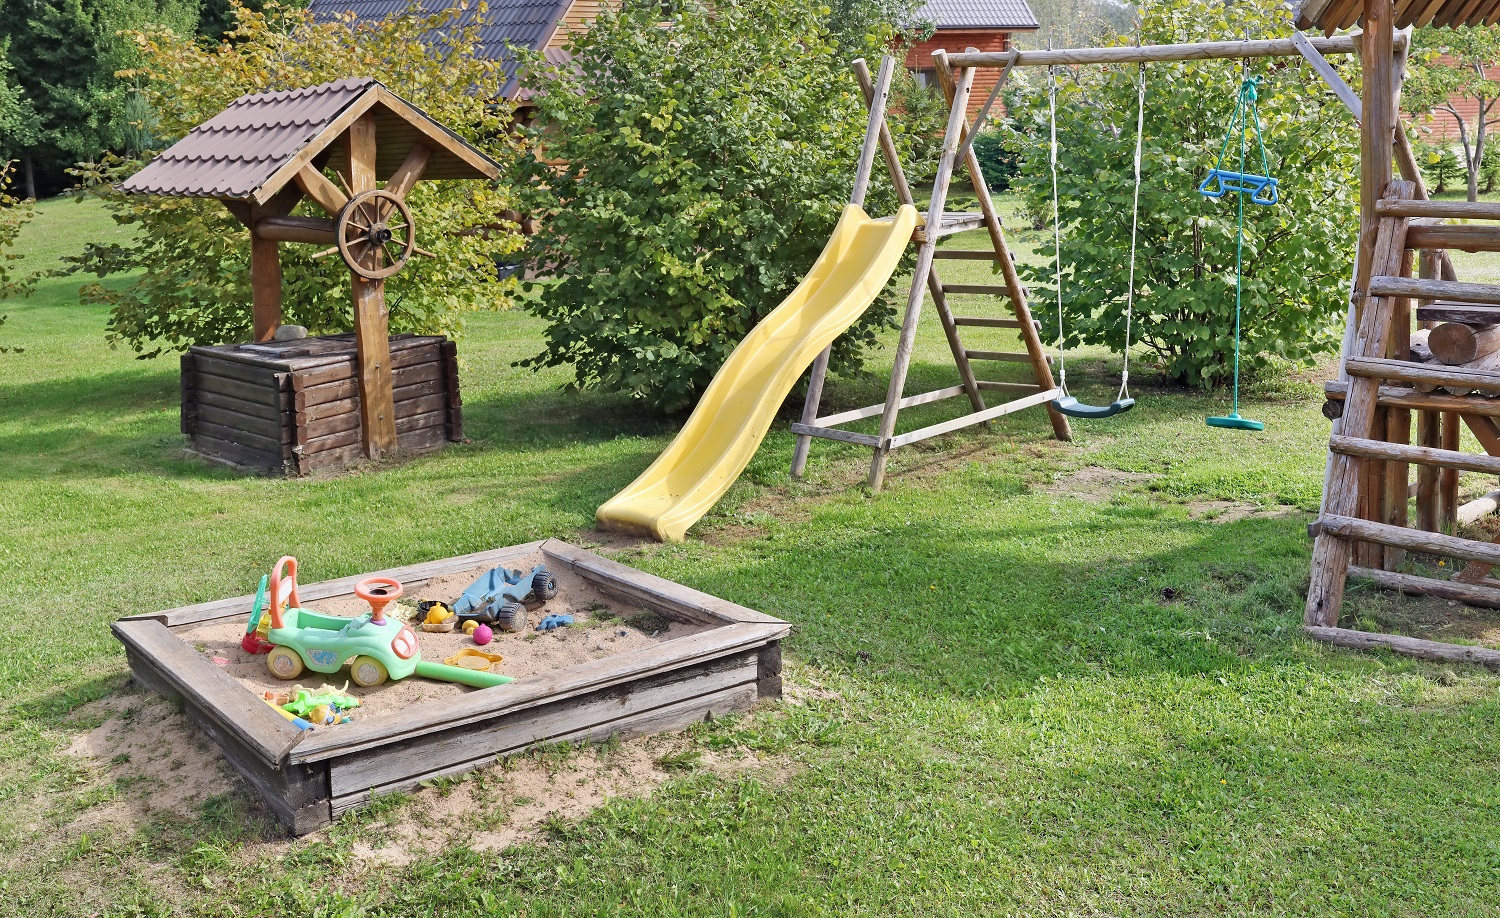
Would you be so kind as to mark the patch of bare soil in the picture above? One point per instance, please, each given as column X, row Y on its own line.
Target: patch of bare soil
column 603, row 626
column 1095, row 484
column 1231, row 511
column 157, row 762
column 1430, row 618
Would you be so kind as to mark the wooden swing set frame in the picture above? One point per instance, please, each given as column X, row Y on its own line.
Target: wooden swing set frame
column 955, row 73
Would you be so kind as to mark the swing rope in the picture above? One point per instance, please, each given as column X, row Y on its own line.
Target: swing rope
column 1067, row 404
column 1263, row 190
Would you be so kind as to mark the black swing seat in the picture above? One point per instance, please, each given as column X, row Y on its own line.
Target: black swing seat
column 1073, row 408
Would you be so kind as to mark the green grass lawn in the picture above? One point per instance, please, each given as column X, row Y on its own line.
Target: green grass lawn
column 1029, row 678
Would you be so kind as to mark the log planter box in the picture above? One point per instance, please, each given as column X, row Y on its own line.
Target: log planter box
column 308, row 778
column 290, row 407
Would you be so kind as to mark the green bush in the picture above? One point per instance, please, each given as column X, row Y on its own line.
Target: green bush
column 189, row 256
column 1298, row 254
column 686, row 178
column 14, row 215
column 1489, row 168
column 998, row 160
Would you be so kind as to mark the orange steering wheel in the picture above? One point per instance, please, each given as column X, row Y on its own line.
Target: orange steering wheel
column 379, row 592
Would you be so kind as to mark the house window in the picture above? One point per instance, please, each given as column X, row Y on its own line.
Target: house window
column 927, row 78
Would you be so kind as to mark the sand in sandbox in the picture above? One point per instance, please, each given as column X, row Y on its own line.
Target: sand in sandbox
column 603, row 626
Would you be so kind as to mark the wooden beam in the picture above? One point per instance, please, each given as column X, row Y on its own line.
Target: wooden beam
column 1189, row 51
column 1420, row 289
column 316, row 185
column 1402, row 397
column 1406, row 646
column 1456, row 344
column 1443, row 210
column 1401, row 371
column 1475, row 238
column 1431, row 543
column 978, row 417
column 410, row 171
column 1424, row 455
column 1467, row 313
column 1325, row 70
column 371, row 320
column 318, row 230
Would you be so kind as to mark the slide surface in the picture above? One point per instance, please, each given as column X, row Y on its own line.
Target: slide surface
column 726, row 427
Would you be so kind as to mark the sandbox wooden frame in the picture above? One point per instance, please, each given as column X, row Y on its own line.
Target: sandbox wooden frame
column 308, row 779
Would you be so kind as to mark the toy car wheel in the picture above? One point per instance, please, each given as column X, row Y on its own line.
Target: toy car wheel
column 543, row 587
column 284, row 663
column 511, row 617
column 367, row 671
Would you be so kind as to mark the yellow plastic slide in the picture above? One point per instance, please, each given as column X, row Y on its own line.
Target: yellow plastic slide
column 726, row 428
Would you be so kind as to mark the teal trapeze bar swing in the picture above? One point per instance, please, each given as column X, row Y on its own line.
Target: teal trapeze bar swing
column 1066, row 403
column 1260, row 189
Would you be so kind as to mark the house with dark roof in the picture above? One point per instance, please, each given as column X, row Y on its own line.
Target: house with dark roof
column 961, row 24
column 544, row 25
column 537, row 25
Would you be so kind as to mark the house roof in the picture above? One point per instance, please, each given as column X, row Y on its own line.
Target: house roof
column 503, row 23
column 1332, row 15
column 979, row 14
column 251, row 149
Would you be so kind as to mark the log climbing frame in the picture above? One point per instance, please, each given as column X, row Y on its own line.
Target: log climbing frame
column 1366, row 527
column 955, row 73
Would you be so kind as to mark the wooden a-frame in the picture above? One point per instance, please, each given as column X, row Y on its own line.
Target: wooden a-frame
column 957, row 85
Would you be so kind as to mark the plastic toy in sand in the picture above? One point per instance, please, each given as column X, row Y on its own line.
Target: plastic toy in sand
column 499, row 597
column 377, row 648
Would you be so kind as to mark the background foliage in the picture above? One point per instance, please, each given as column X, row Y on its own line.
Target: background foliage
column 1448, row 66
column 14, row 215
column 1297, row 254
column 687, row 179
column 193, row 285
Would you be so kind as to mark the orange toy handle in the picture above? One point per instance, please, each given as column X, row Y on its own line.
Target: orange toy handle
column 378, row 592
column 288, row 586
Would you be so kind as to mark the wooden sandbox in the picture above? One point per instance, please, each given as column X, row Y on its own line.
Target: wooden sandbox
column 308, row 778
column 291, row 407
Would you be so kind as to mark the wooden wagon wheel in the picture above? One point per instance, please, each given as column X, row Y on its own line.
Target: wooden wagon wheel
column 375, row 234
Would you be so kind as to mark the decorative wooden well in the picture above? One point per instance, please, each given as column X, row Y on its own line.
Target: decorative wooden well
column 261, row 156
column 293, row 406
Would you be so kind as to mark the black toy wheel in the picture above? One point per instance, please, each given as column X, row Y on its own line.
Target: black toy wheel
column 543, row 587
column 511, row 617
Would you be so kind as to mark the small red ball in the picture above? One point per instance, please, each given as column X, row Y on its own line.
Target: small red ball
column 483, row 635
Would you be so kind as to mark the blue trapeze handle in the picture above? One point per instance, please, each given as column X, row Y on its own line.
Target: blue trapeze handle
column 1073, row 408
column 1263, row 190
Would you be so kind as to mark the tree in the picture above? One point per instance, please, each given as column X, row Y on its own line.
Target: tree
column 64, row 54
column 1297, row 254
column 687, row 176
column 14, row 216
column 1449, row 67
column 189, row 256
column 18, row 127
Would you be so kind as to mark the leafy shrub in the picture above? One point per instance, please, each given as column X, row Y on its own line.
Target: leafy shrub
column 14, row 215
column 193, row 286
column 998, row 160
column 686, row 179
column 1297, row 254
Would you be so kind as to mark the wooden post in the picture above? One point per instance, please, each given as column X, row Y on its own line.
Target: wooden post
column 1377, row 135
column 1448, row 478
column 265, row 281
column 952, row 137
column 874, row 127
column 1430, row 435
column 372, row 339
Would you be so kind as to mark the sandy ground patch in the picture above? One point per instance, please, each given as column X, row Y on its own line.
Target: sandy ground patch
column 1095, row 484
column 1232, row 511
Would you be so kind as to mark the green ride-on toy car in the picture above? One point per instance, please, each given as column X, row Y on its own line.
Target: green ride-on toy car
column 376, row 648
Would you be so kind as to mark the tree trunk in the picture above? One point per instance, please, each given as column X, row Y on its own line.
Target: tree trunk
column 1478, row 159
column 30, row 177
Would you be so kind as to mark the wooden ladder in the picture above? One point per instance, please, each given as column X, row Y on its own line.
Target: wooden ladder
column 939, row 223
column 1363, row 530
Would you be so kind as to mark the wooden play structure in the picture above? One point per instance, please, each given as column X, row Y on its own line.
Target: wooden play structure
column 956, row 74
column 299, row 404
column 1445, row 373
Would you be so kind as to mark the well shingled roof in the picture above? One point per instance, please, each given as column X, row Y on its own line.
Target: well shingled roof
column 979, row 14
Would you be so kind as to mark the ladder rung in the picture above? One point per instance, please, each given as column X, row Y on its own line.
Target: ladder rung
column 1421, row 289
column 1007, row 356
column 1422, row 455
column 1467, row 313
column 1477, row 238
column 984, row 322
column 1402, row 371
column 982, row 289
column 1417, row 540
column 1463, row 210
column 967, row 254
column 953, row 222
